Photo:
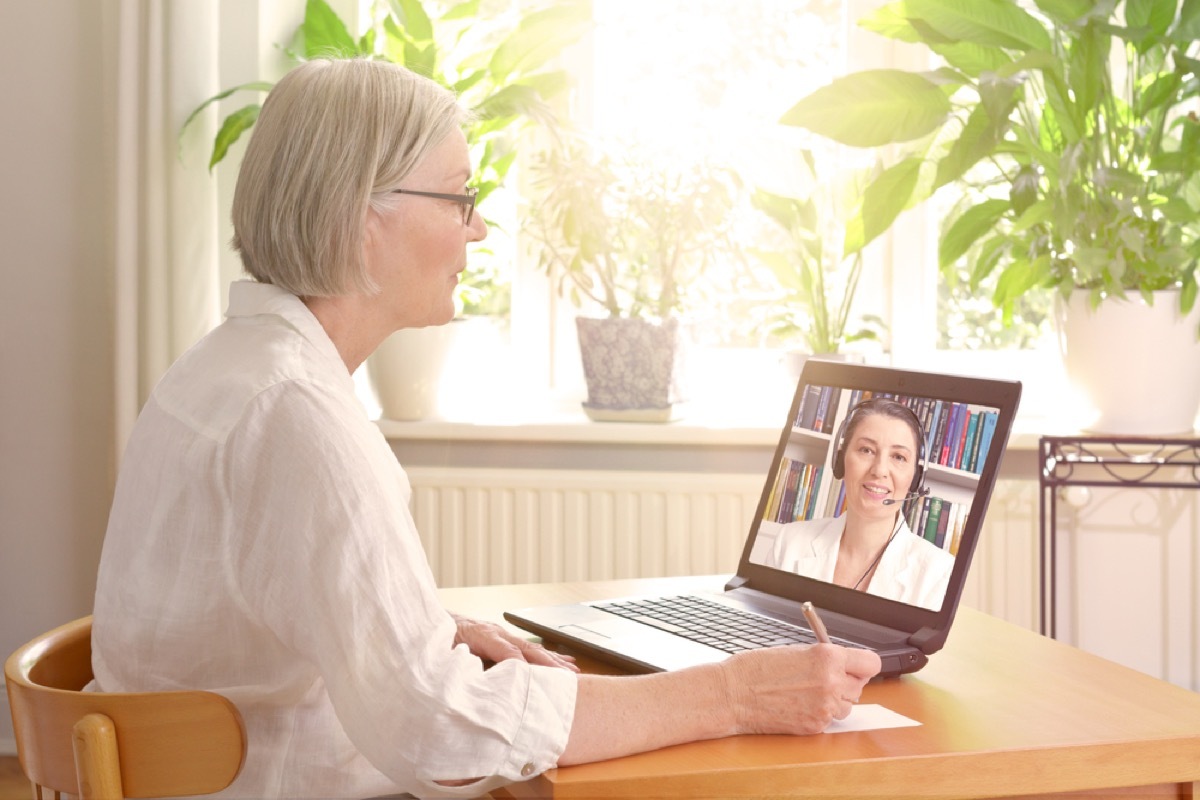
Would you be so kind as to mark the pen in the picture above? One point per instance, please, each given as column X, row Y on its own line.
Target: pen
column 814, row 622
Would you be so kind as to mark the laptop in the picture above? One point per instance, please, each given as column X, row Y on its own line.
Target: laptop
column 905, row 607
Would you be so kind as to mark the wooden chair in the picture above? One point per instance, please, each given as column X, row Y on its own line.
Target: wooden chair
column 104, row 746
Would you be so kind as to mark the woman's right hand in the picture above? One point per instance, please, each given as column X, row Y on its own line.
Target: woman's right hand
column 796, row 689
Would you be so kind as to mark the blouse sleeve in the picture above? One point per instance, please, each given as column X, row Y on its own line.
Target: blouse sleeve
column 325, row 555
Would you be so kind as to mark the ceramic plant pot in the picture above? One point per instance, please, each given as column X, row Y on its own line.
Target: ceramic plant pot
column 635, row 370
column 406, row 371
column 1138, row 364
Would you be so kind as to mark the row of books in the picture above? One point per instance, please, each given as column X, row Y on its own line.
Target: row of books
column 957, row 435
column 796, row 493
column 818, row 407
column 939, row 521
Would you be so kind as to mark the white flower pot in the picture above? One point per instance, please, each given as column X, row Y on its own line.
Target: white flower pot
column 1138, row 364
column 406, row 371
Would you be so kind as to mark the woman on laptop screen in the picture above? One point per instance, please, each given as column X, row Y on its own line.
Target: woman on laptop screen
column 870, row 547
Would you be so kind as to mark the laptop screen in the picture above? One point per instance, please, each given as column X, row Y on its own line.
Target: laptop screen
column 878, row 488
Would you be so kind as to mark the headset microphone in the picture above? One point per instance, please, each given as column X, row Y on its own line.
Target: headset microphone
column 910, row 496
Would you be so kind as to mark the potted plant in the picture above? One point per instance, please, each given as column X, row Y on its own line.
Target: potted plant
column 1064, row 125
column 815, row 265
column 498, row 67
column 629, row 242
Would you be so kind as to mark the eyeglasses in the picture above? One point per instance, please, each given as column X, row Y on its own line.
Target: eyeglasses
column 466, row 200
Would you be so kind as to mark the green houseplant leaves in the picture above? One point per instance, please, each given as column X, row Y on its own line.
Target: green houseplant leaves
column 501, row 74
column 1065, row 125
column 631, row 235
column 498, row 67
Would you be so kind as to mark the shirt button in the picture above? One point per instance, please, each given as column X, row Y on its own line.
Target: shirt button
column 528, row 770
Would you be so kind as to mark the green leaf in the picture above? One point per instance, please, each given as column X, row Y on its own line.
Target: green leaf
column 891, row 21
column 1187, row 293
column 412, row 17
column 467, row 10
column 990, row 253
column 784, row 211
column 1155, row 16
column 1014, row 280
column 422, row 59
column 973, row 59
column 1187, row 27
column 1093, row 262
column 1037, row 213
column 994, row 23
column 513, row 100
column 468, row 80
column 1088, row 68
column 231, row 129
column 1060, row 113
column 782, row 268
column 984, row 129
column 547, row 84
column 539, row 37
column 395, row 41
column 966, row 230
column 882, row 202
column 1034, row 60
column 1024, row 190
column 325, row 34
column 1162, row 93
column 872, row 108
column 253, row 86
column 1065, row 12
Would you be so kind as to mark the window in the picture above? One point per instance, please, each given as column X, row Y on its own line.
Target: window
column 701, row 79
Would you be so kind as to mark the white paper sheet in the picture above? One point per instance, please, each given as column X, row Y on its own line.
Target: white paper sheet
column 870, row 717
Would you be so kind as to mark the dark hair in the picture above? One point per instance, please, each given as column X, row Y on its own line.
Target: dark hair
column 885, row 407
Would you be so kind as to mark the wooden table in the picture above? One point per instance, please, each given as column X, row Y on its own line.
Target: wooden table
column 1004, row 712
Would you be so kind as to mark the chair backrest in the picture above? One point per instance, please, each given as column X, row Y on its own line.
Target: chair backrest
column 109, row 745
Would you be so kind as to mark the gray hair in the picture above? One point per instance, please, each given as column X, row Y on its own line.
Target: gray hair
column 334, row 138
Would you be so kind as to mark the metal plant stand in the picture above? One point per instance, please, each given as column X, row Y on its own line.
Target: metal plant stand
column 1101, row 461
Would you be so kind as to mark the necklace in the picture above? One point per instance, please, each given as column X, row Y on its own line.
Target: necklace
column 882, row 550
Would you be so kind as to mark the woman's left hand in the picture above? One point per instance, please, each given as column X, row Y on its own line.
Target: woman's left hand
column 493, row 643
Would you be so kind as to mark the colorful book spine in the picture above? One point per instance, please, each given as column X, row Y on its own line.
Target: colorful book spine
column 808, row 407
column 943, row 523
column 964, row 460
column 932, row 515
column 810, row 509
column 788, row 503
column 985, row 440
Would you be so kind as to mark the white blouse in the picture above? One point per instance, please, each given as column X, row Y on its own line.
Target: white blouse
column 260, row 546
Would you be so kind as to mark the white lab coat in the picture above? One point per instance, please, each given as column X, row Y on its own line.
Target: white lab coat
column 912, row 570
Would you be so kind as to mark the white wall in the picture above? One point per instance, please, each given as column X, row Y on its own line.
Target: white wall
column 56, row 409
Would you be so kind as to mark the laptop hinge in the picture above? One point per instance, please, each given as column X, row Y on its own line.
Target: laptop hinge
column 736, row 582
column 927, row 638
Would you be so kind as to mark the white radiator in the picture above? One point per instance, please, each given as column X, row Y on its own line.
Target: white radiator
column 483, row 526
column 486, row 526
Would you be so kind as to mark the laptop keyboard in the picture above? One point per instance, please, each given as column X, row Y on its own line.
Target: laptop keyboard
column 713, row 624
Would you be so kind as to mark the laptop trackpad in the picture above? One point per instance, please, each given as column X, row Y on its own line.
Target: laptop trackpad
column 596, row 628
column 642, row 644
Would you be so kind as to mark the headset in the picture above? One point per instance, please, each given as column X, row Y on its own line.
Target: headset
column 916, row 488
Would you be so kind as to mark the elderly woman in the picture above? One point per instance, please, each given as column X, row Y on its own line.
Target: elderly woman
column 870, row 547
column 260, row 543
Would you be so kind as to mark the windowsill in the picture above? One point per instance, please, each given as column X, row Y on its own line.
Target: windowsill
column 573, row 426
column 563, row 421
